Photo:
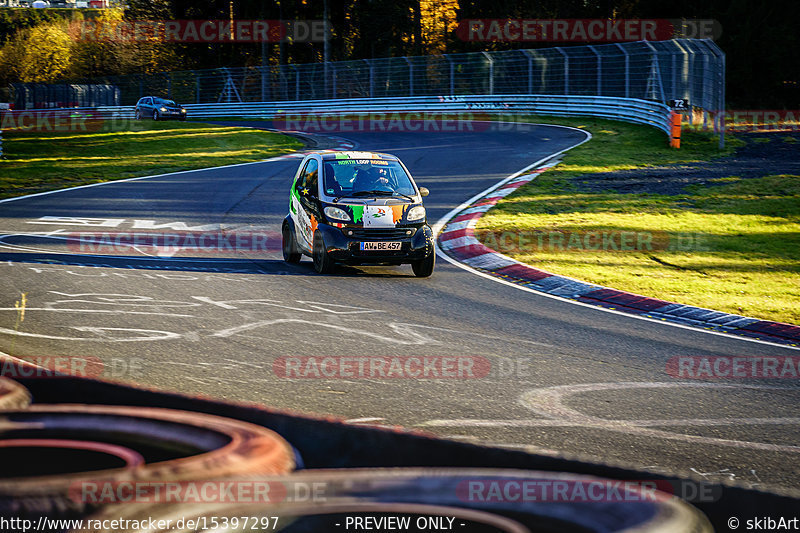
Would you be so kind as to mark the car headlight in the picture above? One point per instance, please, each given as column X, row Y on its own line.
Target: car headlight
column 163, row 109
column 183, row 110
column 416, row 213
column 336, row 213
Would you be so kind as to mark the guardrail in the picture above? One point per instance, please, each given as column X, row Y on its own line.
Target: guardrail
column 634, row 110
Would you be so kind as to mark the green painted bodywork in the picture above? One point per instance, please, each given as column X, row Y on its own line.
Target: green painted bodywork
column 358, row 212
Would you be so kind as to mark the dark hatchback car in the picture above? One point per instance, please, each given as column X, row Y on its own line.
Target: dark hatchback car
column 159, row 109
column 357, row 208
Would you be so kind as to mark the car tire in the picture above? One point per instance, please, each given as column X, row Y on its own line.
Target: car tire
column 289, row 245
column 435, row 492
column 175, row 445
column 424, row 267
column 323, row 263
column 137, row 115
column 155, row 115
column 13, row 395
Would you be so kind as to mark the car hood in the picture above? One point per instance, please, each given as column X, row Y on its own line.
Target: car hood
column 386, row 212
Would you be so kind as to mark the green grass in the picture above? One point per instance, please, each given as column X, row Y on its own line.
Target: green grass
column 41, row 161
column 740, row 237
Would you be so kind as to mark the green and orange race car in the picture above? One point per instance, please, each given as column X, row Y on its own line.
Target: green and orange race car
column 357, row 208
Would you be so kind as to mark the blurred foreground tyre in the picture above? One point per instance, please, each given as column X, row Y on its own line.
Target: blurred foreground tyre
column 13, row 395
column 174, row 446
column 485, row 500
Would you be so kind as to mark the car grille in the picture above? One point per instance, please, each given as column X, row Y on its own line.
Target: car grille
column 378, row 233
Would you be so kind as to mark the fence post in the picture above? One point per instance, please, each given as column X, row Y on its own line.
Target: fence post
column 410, row 76
column 263, row 78
column 599, row 70
column 333, row 68
column 197, row 88
column 530, row 71
column 655, row 73
column 566, row 69
column 452, row 74
column 491, row 71
column 371, row 78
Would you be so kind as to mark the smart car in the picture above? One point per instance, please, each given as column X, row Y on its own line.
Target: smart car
column 357, row 208
column 158, row 109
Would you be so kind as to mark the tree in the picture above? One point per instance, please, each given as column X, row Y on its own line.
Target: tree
column 39, row 54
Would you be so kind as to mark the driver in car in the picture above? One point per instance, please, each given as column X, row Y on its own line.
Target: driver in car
column 367, row 180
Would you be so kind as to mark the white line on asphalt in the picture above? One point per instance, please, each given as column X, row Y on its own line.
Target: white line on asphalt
column 549, row 403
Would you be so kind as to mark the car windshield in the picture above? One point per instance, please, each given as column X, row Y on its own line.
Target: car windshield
column 165, row 102
column 361, row 177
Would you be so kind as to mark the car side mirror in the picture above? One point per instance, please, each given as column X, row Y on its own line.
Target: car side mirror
column 423, row 191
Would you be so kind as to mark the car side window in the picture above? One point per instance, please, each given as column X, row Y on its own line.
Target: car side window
column 309, row 178
column 148, row 101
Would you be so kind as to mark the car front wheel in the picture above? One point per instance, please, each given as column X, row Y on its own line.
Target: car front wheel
column 322, row 261
column 290, row 253
column 424, row 267
column 155, row 115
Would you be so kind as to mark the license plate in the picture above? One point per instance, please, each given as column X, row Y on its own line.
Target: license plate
column 381, row 245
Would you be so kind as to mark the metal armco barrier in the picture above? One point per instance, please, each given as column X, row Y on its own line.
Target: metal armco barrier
column 626, row 109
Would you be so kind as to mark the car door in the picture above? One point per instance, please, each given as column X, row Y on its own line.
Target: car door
column 306, row 197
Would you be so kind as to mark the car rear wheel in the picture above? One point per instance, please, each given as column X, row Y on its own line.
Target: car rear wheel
column 137, row 115
column 322, row 261
column 424, row 267
column 290, row 253
column 155, row 115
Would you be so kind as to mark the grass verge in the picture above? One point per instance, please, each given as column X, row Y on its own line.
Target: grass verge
column 42, row 161
column 731, row 247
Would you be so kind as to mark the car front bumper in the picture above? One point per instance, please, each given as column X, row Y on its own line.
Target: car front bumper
column 346, row 249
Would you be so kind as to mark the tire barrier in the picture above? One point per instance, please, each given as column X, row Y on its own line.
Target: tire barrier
column 174, row 446
column 328, row 444
column 26, row 458
column 13, row 395
column 503, row 500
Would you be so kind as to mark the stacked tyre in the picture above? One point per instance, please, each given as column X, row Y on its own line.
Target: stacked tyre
column 129, row 469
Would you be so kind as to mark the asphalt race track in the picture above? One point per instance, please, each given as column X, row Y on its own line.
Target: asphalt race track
column 564, row 378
